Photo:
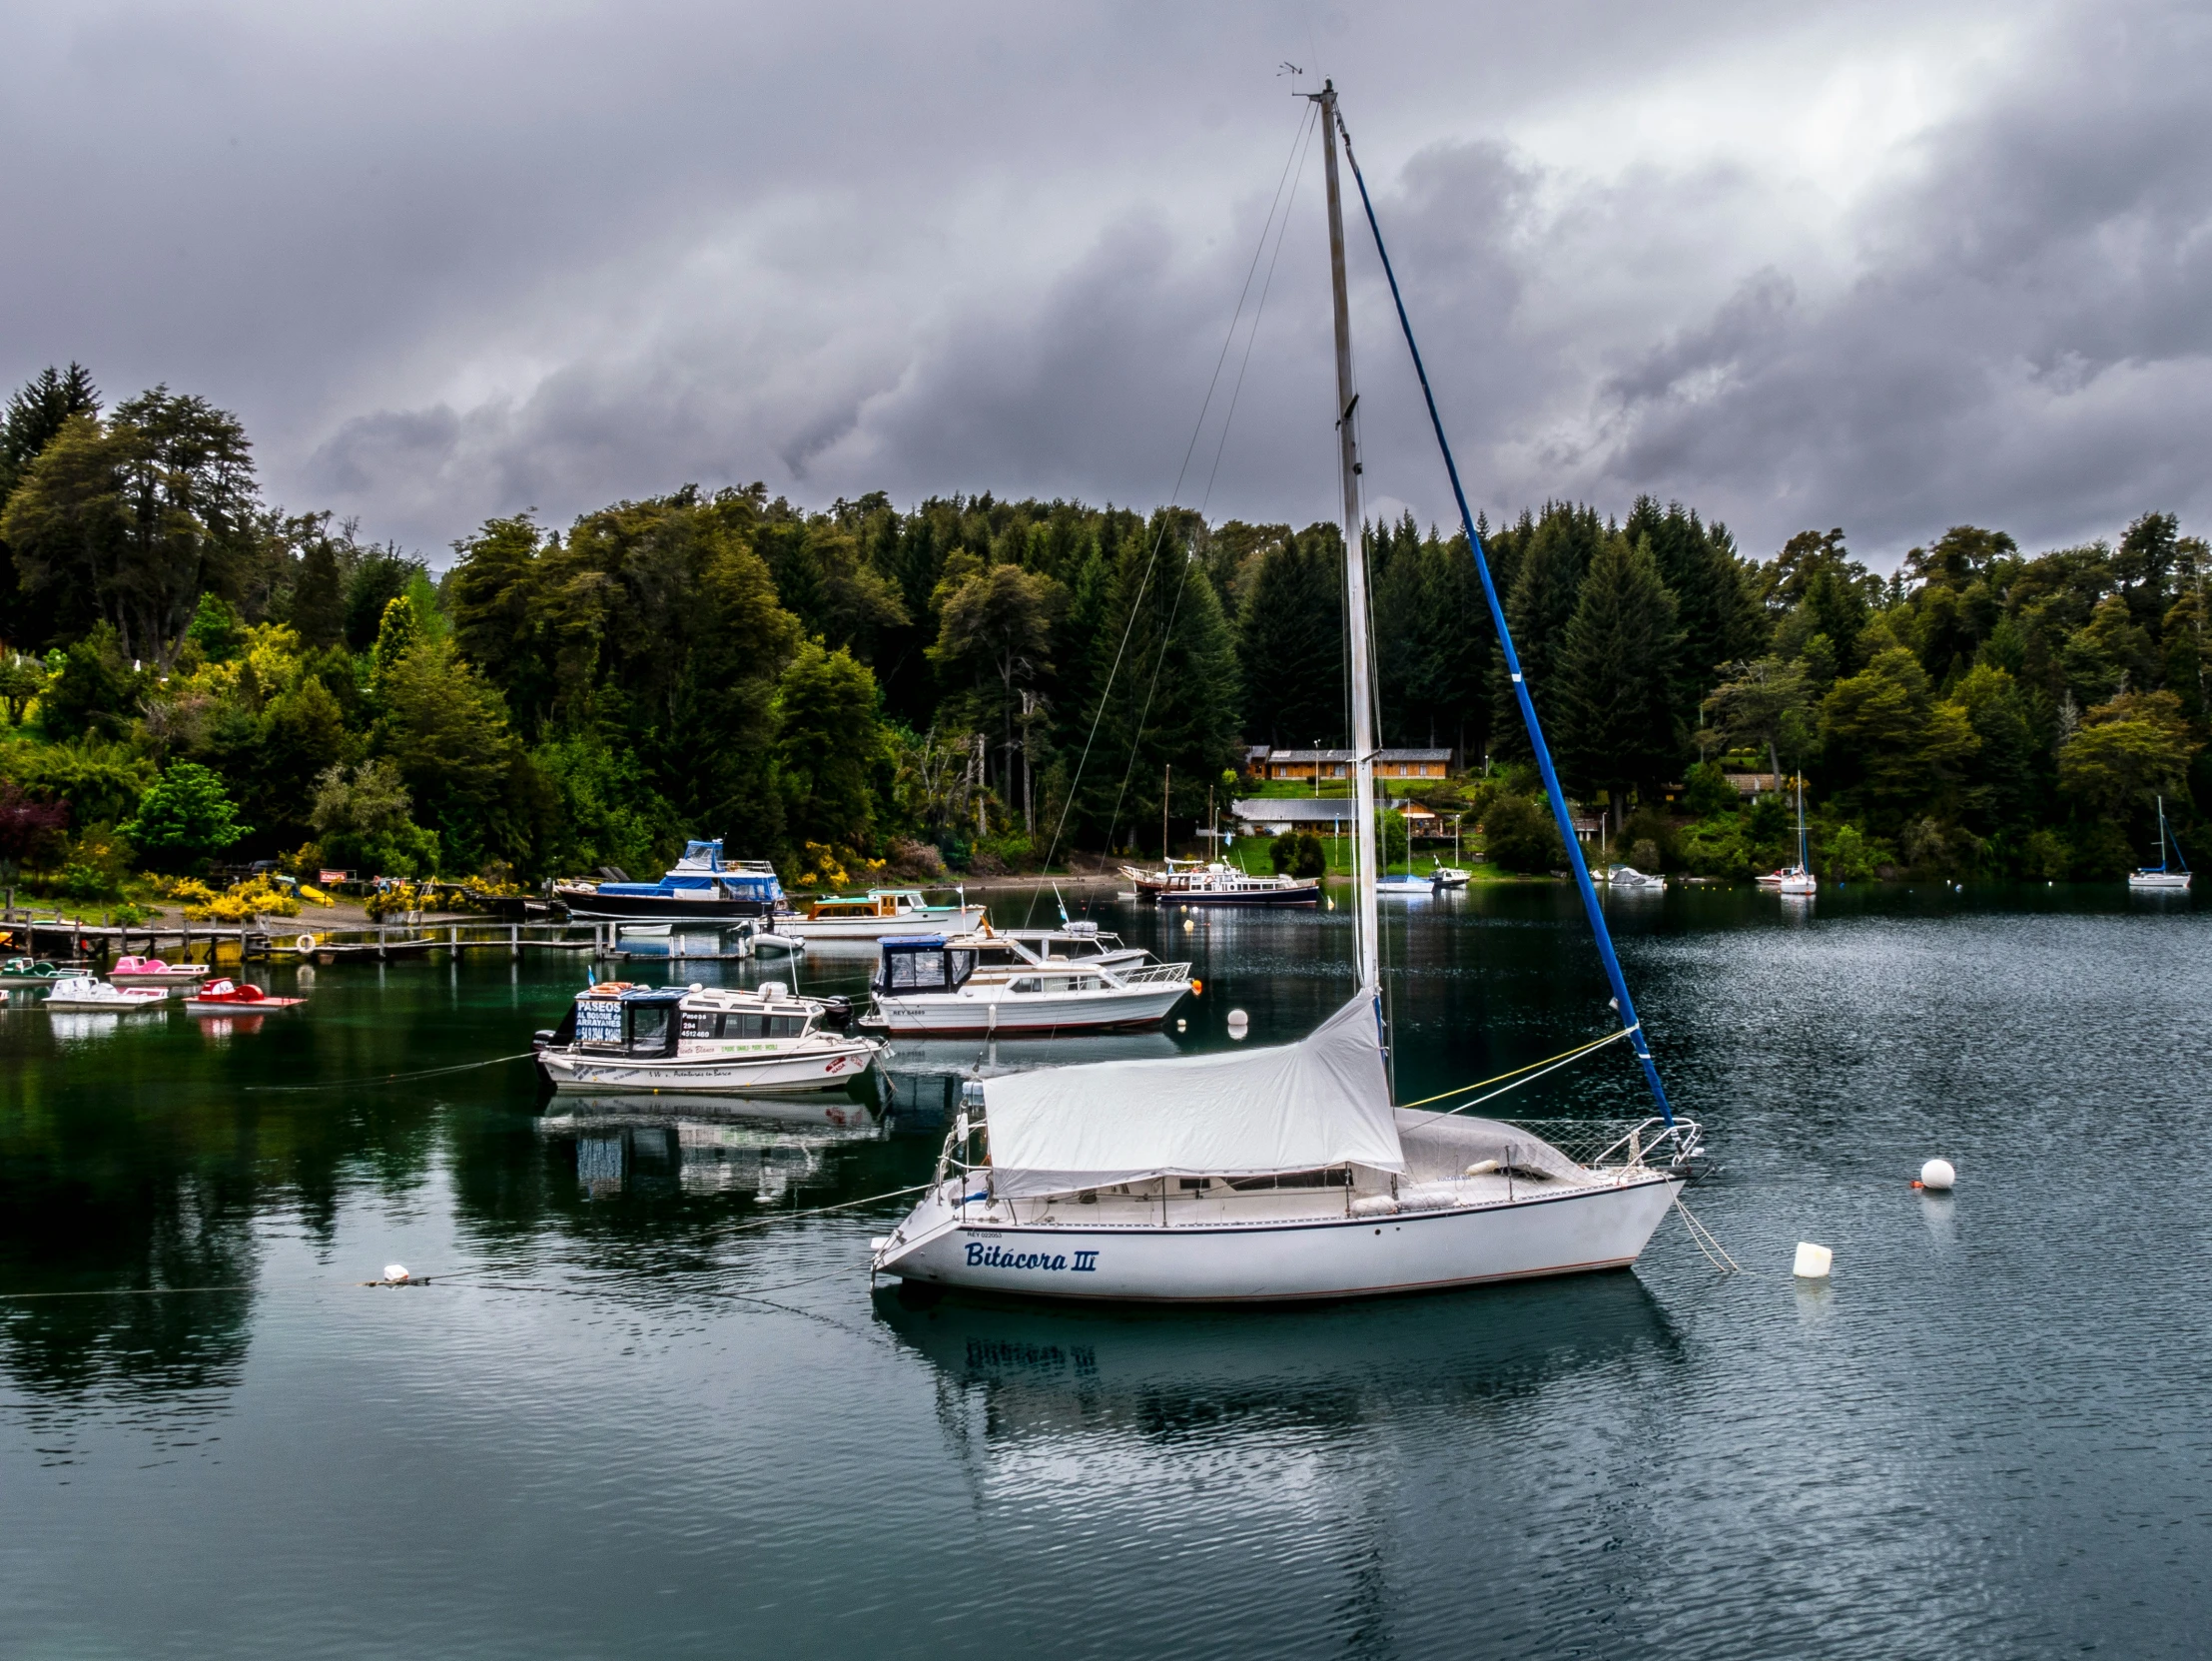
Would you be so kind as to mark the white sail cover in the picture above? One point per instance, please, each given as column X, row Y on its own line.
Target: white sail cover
column 1324, row 1100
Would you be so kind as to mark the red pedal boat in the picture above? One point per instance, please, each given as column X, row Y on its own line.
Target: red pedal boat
column 231, row 998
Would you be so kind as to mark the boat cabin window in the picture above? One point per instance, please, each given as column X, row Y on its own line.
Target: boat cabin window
column 1336, row 1178
column 642, row 1027
column 1052, row 982
column 929, row 969
column 649, row 1028
column 744, row 1023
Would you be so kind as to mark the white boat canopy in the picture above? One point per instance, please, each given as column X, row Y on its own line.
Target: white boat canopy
column 1321, row 1102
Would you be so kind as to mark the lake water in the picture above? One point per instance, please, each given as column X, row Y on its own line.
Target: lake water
column 645, row 1410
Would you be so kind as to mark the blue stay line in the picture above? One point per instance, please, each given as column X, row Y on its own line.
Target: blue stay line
column 1590, row 903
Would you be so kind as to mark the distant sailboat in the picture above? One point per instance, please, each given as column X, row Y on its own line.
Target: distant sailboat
column 2159, row 876
column 1795, row 879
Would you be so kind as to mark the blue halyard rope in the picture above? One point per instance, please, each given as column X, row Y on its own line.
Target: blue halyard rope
column 1589, row 890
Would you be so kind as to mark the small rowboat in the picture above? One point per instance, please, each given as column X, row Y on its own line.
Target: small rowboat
column 85, row 992
column 154, row 972
column 232, row 998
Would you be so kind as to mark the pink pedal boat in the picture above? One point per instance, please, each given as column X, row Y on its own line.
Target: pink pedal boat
column 154, row 972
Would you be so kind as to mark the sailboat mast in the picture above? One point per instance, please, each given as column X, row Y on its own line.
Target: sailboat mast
column 1355, row 577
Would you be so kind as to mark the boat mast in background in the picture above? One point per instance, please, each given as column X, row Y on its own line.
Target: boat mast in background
column 1365, row 868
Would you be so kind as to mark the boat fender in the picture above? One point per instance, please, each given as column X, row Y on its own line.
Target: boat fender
column 1375, row 1204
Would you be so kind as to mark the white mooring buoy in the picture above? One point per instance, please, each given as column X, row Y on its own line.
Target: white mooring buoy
column 397, row 1273
column 1240, row 1023
column 1937, row 1177
column 1813, row 1261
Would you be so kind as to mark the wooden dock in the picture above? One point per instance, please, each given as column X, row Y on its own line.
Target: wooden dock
column 282, row 939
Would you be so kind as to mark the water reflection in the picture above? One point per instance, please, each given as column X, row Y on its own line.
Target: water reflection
column 707, row 1145
column 1149, row 1375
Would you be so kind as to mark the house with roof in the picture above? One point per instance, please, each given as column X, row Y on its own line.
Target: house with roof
column 1289, row 765
column 1323, row 815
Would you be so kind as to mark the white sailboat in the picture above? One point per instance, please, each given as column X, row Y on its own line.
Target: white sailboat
column 2159, row 876
column 1284, row 1173
column 1799, row 879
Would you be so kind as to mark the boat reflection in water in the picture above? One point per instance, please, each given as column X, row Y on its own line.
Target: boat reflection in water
column 705, row 1143
column 74, row 1026
column 1143, row 1376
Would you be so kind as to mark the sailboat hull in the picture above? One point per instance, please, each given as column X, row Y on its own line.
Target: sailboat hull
column 2158, row 879
column 1602, row 1226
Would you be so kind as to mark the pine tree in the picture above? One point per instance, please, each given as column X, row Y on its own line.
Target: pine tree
column 1293, row 645
column 1551, row 563
column 1615, row 673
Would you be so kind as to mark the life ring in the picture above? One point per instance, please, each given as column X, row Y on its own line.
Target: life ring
column 306, row 943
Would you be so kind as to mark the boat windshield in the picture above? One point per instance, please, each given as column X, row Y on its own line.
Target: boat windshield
column 925, row 965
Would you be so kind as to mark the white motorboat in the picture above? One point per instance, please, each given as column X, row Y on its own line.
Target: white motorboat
column 619, row 1036
column 90, row 993
column 1004, row 982
column 2160, row 876
column 1450, row 876
column 1286, row 1173
column 877, row 915
column 1628, row 877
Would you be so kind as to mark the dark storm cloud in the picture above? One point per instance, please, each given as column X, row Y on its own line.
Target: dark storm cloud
column 456, row 263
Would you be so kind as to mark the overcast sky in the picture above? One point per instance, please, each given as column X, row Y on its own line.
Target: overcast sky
column 1884, row 265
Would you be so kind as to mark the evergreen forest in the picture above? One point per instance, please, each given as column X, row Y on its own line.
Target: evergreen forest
column 190, row 675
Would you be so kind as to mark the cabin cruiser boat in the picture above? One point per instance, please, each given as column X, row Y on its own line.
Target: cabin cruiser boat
column 700, row 887
column 621, row 1037
column 226, row 997
column 88, row 992
column 878, row 913
column 1189, row 882
column 1014, row 983
column 2159, row 876
column 1449, row 876
column 154, row 972
column 1628, row 877
column 1288, row 1172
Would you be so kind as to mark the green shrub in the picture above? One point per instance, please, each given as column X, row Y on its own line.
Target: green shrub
column 1298, row 854
column 1849, row 859
column 1519, row 836
column 1708, row 791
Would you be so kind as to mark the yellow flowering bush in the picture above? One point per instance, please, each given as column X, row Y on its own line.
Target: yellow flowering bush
column 258, row 898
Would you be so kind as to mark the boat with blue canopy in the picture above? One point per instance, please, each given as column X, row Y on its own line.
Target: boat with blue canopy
column 701, row 887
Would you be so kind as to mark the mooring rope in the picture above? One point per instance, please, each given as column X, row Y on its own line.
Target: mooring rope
column 393, row 1077
column 1536, row 1069
column 1702, row 1237
column 460, row 1276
